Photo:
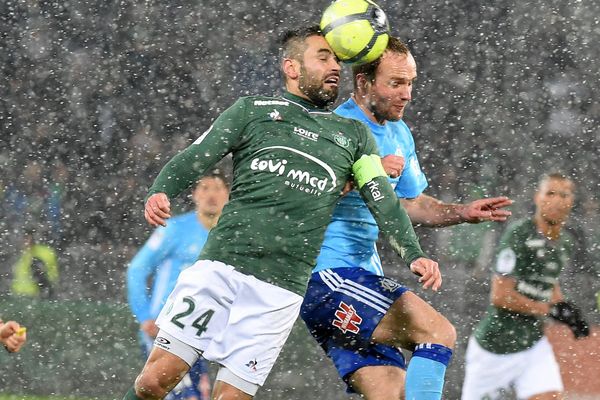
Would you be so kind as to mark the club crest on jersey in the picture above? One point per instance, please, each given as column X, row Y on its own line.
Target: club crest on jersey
column 275, row 115
column 347, row 320
column 341, row 140
column 389, row 285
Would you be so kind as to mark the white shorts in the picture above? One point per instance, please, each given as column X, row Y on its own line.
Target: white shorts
column 230, row 318
column 530, row 372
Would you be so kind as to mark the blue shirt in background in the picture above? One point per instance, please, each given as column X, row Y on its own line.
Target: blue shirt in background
column 167, row 252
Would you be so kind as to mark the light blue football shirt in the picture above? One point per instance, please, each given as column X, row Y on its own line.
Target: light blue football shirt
column 167, row 252
column 350, row 238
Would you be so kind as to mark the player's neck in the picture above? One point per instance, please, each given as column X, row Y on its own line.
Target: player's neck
column 362, row 104
column 207, row 220
column 302, row 98
column 549, row 230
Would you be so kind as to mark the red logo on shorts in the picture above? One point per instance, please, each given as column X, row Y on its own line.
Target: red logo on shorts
column 346, row 319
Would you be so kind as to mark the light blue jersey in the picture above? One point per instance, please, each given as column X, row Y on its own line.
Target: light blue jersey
column 350, row 239
column 167, row 252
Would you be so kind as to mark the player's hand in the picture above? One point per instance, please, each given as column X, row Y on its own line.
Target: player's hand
column 393, row 165
column 13, row 336
column 157, row 209
column 569, row 314
column 348, row 187
column 429, row 272
column 149, row 328
column 486, row 210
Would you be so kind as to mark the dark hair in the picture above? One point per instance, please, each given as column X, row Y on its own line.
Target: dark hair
column 369, row 70
column 215, row 174
column 292, row 41
column 559, row 176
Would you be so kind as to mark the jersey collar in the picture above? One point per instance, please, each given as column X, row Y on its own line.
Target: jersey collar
column 304, row 103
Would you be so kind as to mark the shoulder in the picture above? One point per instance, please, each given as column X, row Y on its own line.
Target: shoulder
column 568, row 239
column 516, row 233
column 519, row 227
column 264, row 101
column 349, row 124
column 348, row 109
column 183, row 218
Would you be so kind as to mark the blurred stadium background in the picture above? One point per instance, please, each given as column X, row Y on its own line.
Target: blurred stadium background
column 96, row 95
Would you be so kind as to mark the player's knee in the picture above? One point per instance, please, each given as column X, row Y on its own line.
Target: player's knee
column 148, row 388
column 383, row 382
column 442, row 332
column 447, row 335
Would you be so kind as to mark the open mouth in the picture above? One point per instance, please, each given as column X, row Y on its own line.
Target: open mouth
column 333, row 80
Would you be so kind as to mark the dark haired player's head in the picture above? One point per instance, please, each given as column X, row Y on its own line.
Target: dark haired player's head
column 215, row 173
column 310, row 67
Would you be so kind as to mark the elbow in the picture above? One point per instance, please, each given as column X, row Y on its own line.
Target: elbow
column 499, row 301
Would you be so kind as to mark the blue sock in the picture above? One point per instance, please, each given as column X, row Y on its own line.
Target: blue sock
column 426, row 370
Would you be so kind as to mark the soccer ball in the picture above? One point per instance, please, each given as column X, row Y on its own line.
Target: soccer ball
column 356, row 30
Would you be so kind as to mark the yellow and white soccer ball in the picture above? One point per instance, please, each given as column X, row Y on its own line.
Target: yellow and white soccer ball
column 356, row 30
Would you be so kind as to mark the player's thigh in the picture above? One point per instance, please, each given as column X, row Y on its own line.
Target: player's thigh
column 162, row 371
column 412, row 320
column 382, row 382
column 260, row 320
column 225, row 391
column 488, row 375
column 547, row 396
column 198, row 309
column 349, row 361
column 541, row 377
column 345, row 305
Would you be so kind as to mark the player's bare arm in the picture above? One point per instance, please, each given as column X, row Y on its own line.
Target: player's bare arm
column 149, row 327
column 393, row 219
column 431, row 212
column 157, row 209
column 557, row 295
column 505, row 295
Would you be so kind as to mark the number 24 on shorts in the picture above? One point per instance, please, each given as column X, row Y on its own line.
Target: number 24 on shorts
column 199, row 323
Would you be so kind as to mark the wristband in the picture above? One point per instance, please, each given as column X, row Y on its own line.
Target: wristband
column 367, row 168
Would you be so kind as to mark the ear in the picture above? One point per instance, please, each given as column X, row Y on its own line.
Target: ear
column 362, row 83
column 291, row 68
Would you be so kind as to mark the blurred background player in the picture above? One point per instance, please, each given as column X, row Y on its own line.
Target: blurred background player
column 167, row 252
column 36, row 272
column 12, row 336
column 508, row 347
column 349, row 274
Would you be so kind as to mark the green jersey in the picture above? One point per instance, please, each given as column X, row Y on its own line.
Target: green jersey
column 290, row 163
column 535, row 263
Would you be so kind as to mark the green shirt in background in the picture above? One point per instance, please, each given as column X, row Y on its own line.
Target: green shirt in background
column 535, row 262
column 290, row 163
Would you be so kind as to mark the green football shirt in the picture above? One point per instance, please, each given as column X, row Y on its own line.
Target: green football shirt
column 290, row 163
column 535, row 262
